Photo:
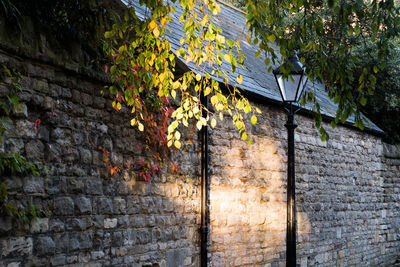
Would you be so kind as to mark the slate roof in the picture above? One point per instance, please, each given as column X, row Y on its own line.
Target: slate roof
column 256, row 78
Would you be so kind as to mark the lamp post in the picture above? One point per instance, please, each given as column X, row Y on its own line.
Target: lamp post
column 291, row 88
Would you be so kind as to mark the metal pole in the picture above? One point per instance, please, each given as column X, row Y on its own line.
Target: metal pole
column 204, row 192
column 291, row 194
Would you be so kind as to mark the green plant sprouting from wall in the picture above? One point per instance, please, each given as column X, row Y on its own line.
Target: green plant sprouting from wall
column 13, row 163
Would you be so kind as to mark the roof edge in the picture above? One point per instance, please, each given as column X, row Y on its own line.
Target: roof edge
column 260, row 99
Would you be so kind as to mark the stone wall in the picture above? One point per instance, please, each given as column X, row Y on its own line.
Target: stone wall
column 348, row 189
column 347, row 193
column 97, row 219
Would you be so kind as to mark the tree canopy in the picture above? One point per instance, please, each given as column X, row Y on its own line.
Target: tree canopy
column 325, row 33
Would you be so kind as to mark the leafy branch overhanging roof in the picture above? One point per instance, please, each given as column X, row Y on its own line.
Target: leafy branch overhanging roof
column 256, row 78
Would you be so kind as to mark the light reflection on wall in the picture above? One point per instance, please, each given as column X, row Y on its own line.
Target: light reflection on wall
column 248, row 203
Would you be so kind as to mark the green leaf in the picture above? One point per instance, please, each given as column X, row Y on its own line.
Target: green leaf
column 363, row 101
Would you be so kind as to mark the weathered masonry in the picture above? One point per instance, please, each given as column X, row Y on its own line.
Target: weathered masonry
column 348, row 189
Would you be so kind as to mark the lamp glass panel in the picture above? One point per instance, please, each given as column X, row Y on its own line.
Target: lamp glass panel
column 302, row 87
column 289, row 87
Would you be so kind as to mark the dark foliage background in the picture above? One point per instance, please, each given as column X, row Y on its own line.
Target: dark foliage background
column 83, row 21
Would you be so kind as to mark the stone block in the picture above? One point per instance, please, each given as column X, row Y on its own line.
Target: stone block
column 117, row 240
column 48, row 103
column 94, row 186
column 45, row 246
column 104, row 206
column 99, row 102
column 87, row 100
column 21, row 111
column 56, row 225
column 76, row 96
column 218, row 259
column 44, row 134
column 119, row 205
column 40, row 225
column 34, row 185
column 41, row 86
column 16, row 246
column 64, row 206
column 96, row 255
column 35, row 150
column 5, row 224
column 58, row 260
column 66, row 93
column 85, row 155
column 176, row 257
column 83, row 205
column 110, row 223
column 76, row 224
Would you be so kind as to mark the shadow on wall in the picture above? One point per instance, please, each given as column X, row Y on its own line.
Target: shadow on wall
column 97, row 219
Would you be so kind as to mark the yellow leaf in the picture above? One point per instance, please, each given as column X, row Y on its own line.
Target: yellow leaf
column 173, row 93
column 169, row 143
column 152, row 24
column 199, row 125
column 213, row 123
column 176, row 84
column 227, row 58
column 156, row 32
column 207, row 91
column 239, row 79
column 253, row 119
column 177, row 144
column 140, row 126
column 221, row 116
column 244, row 136
column 177, row 135
column 198, row 77
column 133, row 122
column 214, row 100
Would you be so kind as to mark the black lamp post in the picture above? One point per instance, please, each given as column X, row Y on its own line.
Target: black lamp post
column 291, row 88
